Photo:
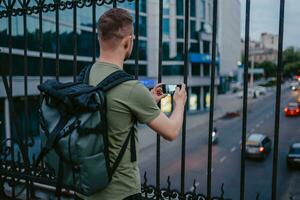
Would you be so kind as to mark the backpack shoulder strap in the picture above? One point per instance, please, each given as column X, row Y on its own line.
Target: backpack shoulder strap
column 84, row 74
column 130, row 138
column 113, row 80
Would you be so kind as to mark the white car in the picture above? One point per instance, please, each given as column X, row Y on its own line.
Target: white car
column 260, row 90
column 250, row 94
column 215, row 135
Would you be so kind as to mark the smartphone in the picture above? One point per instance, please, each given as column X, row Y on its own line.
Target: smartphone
column 169, row 88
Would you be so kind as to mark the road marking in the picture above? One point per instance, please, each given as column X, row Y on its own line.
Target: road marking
column 223, row 159
column 261, row 122
column 257, row 125
column 233, row 149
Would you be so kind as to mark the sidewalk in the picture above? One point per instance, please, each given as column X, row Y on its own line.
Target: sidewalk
column 223, row 104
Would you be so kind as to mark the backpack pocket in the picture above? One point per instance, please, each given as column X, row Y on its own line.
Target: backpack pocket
column 93, row 174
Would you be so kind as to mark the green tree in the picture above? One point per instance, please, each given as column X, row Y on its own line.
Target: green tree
column 291, row 61
column 292, row 69
column 290, row 55
column 269, row 68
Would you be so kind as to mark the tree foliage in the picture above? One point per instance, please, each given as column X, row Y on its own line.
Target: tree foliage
column 269, row 68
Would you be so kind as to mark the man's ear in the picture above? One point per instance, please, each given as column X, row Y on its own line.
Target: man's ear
column 126, row 42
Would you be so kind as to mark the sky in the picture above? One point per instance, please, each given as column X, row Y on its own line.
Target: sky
column 264, row 17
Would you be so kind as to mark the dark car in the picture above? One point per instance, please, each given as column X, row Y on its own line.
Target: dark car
column 292, row 109
column 293, row 157
column 258, row 146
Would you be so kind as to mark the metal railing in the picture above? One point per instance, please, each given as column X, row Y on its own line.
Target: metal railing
column 16, row 170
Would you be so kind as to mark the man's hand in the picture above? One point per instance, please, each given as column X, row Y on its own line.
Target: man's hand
column 180, row 96
column 157, row 93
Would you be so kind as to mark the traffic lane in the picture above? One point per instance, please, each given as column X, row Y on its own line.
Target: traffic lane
column 289, row 133
column 196, row 160
column 256, row 168
column 264, row 118
column 201, row 154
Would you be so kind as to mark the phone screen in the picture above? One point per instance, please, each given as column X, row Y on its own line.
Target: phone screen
column 169, row 88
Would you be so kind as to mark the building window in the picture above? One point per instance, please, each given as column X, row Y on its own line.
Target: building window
column 166, row 50
column 206, row 97
column 166, row 7
column 206, row 47
column 195, row 69
column 180, row 28
column 180, row 51
column 193, row 8
column 143, row 6
column 209, row 12
column 194, row 34
column 173, row 70
column 202, row 9
column 166, row 27
column 195, row 47
column 206, row 69
column 179, row 7
column 194, row 99
column 143, row 26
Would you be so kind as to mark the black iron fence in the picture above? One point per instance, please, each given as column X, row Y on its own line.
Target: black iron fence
column 18, row 177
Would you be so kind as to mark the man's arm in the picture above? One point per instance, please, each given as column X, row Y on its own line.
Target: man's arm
column 166, row 127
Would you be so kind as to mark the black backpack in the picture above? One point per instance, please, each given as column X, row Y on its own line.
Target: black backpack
column 74, row 132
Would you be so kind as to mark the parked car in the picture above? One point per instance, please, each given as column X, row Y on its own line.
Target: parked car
column 250, row 94
column 260, row 90
column 258, row 146
column 294, row 86
column 292, row 109
column 293, row 156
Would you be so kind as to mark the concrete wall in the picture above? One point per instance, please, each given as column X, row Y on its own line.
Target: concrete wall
column 229, row 29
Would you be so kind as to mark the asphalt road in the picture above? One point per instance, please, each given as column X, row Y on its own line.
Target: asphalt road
column 226, row 155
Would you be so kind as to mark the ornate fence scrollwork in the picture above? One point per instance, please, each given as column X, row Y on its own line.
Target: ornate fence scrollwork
column 151, row 192
column 20, row 8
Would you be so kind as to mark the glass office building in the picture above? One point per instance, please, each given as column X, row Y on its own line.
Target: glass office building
column 173, row 48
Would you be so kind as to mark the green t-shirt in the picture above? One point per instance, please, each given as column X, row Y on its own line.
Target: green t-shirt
column 125, row 103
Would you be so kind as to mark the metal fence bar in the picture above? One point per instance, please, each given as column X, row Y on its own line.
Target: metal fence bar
column 10, row 62
column 74, row 40
column 212, row 97
column 137, row 33
column 57, row 37
column 94, row 29
column 245, row 101
column 26, row 135
column 159, row 75
column 186, row 72
column 41, row 47
column 41, row 41
column 278, row 95
column 115, row 4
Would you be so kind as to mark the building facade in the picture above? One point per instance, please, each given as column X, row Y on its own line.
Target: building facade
column 200, row 48
column 229, row 33
column 266, row 49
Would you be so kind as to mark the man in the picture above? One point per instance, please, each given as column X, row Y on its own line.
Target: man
column 128, row 102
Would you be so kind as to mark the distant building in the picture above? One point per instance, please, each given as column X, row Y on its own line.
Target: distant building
column 229, row 34
column 264, row 50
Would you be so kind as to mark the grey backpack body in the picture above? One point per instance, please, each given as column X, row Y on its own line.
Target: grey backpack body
column 74, row 132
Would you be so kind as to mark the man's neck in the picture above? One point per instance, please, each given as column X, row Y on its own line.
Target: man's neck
column 113, row 60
